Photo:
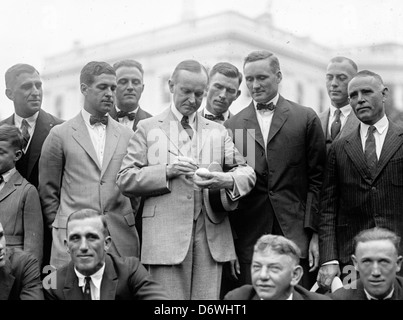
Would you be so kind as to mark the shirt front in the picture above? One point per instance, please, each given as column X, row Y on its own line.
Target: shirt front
column 95, row 284
column 345, row 112
column 97, row 134
column 125, row 120
column 265, row 117
column 31, row 125
column 379, row 134
column 6, row 177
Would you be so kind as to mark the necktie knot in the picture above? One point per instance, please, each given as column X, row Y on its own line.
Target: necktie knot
column 185, row 124
column 336, row 125
column 25, row 133
column 262, row 106
column 87, row 288
column 94, row 120
column 129, row 115
column 213, row 117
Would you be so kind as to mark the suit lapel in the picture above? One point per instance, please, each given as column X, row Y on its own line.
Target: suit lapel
column 324, row 120
column 140, row 115
column 351, row 124
column 252, row 125
column 353, row 148
column 71, row 289
column 279, row 117
column 170, row 126
column 6, row 281
column 82, row 137
column 393, row 141
column 203, row 132
column 109, row 281
column 112, row 136
column 10, row 186
column 42, row 128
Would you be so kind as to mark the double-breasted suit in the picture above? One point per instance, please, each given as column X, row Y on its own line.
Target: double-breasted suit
column 352, row 201
column 28, row 164
column 289, row 174
column 71, row 178
column 351, row 124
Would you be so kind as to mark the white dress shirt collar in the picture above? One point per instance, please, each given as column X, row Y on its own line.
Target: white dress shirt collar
column 344, row 110
column 86, row 116
column 96, row 280
column 369, row 297
column 31, row 120
column 179, row 115
column 380, row 126
column 274, row 101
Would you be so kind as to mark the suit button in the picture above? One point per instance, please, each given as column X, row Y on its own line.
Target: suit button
column 264, row 174
column 189, row 196
column 271, row 193
column 102, row 182
column 373, row 189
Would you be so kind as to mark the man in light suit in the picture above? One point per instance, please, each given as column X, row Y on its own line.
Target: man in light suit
column 377, row 260
column 94, row 274
column 222, row 91
column 284, row 143
column 363, row 183
column 79, row 163
column 130, row 86
column 184, row 242
column 339, row 120
column 24, row 88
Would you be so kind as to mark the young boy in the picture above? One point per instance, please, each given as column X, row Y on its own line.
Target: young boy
column 20, row 208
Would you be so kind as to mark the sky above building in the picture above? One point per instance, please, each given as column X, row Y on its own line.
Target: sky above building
column 32, row 30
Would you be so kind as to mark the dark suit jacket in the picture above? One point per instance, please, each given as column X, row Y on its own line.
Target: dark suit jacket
column 28, row 164
column 247, row 292
column 352, row 201
column 359, row 294
column 20, row 277
column 351, row 124
column 123, row 279
column 140, row 115
column 289, row 175
column 21, row 216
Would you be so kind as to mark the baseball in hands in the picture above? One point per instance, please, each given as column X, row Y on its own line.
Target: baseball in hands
column 197, row 177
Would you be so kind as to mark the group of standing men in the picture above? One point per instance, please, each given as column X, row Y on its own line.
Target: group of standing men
column 289, row 171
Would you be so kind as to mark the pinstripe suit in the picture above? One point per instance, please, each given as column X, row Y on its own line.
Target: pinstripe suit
column 351, row 201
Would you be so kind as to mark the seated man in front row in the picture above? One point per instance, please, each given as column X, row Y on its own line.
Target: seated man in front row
column 19, row 273
column 275, row 273
column 93, row 274
column 377, row 261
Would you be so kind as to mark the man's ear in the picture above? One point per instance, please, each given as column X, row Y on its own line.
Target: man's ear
column 355, row 262
column 66, row 245
column 296, row 275
column 18, row 155
column 399, row 263
column 108, row 242
column 84, row 88
column 279, row 76
column 9, row 94
column 171, row 86
column 385, row 93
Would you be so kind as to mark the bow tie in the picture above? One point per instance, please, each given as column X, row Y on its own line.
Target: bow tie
column 262, row 106
column 129, row 115
column 213, row 117
column 95, row 120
